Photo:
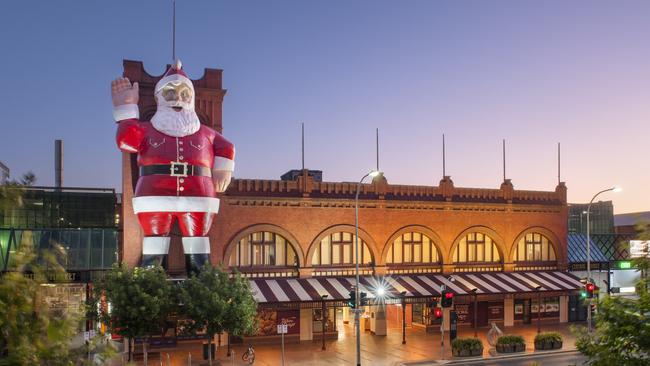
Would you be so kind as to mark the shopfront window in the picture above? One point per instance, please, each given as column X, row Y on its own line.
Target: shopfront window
column 263, row 248
column 411, row 248
column 476, row 248
column 339, row 249
column 534, row 247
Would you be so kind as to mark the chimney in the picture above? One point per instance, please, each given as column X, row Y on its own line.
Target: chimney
column 58, row 163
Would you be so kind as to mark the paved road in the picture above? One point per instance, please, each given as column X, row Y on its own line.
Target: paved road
column 559, row 359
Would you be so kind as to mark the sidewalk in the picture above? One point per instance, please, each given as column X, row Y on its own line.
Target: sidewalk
column 375, row 350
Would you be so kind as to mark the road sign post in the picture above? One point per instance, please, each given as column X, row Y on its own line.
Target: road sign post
column 282, row 330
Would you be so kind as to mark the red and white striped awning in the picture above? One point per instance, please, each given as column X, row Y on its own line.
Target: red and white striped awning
column 414, row 285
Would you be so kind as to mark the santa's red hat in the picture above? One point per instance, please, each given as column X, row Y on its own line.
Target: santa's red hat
column 176, row 75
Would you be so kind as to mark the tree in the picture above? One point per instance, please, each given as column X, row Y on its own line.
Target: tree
column 141, row 299
column 215, row 302
column 622, row 325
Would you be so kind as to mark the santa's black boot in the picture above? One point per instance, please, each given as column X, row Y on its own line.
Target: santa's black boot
column 154, row 251
column 197, row 253
column 149, row 260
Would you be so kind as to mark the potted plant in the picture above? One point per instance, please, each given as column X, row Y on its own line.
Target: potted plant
column 510, row 343
column 464, row 347
column 548, row 341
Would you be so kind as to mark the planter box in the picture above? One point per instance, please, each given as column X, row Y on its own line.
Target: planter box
column 510, row 348
column 467, row 353
column 542, row 346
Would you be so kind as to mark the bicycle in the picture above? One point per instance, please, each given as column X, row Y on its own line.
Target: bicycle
column 249, row 355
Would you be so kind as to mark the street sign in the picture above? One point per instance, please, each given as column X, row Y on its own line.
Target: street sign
column 283, row 328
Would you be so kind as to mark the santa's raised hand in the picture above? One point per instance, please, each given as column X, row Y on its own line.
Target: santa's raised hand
column 123, row 92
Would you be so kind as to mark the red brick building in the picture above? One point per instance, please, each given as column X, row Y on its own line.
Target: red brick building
column 295, row 240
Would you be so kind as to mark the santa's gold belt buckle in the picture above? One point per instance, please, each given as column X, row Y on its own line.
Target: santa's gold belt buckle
column 174, row 166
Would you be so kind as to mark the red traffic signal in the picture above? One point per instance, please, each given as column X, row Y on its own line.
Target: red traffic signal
column 437, row 312
column 589, row 288
column 447, row 298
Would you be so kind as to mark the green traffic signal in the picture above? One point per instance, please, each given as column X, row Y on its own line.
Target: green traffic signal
column 583, row 294
column 352, row 301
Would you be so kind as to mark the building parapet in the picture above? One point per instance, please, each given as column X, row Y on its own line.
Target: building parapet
column 305, row 186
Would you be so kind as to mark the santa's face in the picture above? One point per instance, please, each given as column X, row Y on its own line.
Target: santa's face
column 175, row 115
column 176, row 95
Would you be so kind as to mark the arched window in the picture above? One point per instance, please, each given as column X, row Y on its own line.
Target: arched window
column 413, row 247
column 263, row 248
column 338, row 249
column 476, row 248
column 534, row 247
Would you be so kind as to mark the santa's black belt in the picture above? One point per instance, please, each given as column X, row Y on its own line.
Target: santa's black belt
column 175, row 170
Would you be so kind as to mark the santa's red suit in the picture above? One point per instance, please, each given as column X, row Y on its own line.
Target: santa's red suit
column 176, row 174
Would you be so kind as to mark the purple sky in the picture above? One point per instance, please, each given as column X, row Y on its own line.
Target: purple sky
column 534, row 73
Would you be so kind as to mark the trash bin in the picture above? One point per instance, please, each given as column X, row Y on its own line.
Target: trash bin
column 205, row 350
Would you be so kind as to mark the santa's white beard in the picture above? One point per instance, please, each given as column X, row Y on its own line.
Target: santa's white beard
column 178, row 124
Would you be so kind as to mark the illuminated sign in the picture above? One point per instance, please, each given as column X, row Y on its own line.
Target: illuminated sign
column 638, row 248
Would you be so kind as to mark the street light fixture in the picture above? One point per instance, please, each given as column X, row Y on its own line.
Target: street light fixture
column 616, row 190
column 357, row 311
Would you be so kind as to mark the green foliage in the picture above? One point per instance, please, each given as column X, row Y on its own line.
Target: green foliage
column 33, row 333
column 215, row 302
column 141, row 300
column 622, row 325
column 548, row 337
column 467, row 344
column 510, row 340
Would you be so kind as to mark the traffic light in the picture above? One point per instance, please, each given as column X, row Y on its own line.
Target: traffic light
column 352, row 300
column 583, row 294
column 589, row 288
column 363, row 298
column 447, row 298
column 437, row 313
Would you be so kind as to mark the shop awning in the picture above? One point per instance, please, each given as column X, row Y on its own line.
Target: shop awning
column 283, row 290
column 485, row 283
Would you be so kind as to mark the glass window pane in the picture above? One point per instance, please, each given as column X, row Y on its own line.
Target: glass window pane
column 280, row 247
column 398, row 252
column 488, row 252
column 417, row 237
column 268, row 236
column 367, row 257
column 347, row 253
column 389, row 257
column 471, row 252
column 292, row 258
column 325, row 254
column 544, row 250
column 407, row 237
column 245, row 252
column 269, row 254
column 495, row 252
column 407, row 253
column 336, row 237
column 257, row 254
column 462, row 252
column 417, row 250
column 336, row 253
column 347, row 237
column 426, row 251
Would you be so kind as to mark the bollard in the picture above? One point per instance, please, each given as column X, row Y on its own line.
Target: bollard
column 189, row 359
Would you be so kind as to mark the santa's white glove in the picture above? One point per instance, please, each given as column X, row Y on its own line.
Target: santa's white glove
column 221, row 179
column 123, row 92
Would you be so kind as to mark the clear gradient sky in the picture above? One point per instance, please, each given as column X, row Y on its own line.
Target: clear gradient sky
column 534, row 73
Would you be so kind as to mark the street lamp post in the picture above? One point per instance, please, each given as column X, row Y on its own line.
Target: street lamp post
column 324, row 320
column 403, row 295
column 357, row 311
column 615, row 189
column 474, row 291
column 539, row 308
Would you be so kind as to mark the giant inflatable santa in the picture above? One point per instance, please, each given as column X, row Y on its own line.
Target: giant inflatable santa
column 183, row 164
